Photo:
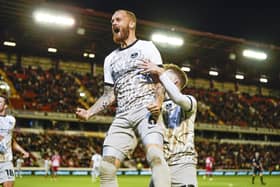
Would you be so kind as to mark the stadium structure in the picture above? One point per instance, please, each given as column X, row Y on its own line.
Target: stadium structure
column 51, row 69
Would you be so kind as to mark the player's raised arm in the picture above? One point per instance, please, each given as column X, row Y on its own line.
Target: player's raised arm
column 185, row 101
column 102, row 103
column 171, row 86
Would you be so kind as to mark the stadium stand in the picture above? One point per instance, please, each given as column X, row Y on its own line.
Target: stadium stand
column 234, row 118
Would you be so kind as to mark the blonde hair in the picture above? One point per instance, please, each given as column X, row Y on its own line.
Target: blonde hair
column 183, row 78
column 130, row 14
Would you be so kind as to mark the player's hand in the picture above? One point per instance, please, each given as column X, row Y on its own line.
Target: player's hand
column 154, row 108
column 82, row 114
column 26, row 155
column 149, row 67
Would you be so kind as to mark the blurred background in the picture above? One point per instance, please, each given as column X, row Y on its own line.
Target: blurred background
column 52, row 54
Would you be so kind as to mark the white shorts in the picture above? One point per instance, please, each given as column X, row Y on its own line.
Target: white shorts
column 95, row 171
column 7, row 172
column 121, row 138
column 183, row 175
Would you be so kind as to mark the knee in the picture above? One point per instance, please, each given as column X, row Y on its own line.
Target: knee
column 155, row 156
column 108, row 168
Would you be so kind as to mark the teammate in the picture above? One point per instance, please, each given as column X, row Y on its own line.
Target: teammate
column 95, row 165
column 133, row 92
column 47, row 165
column 257, row 168
column 178, row 117
column 209, row 165
column 7, row 123
column 55, row 164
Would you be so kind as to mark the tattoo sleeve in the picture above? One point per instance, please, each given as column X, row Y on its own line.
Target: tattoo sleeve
column 104, row 101
column 159, row 93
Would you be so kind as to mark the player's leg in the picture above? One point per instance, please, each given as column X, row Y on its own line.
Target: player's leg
column 183, row 175
column 19, row 172
column 151, row 184
column 97, row 174
column 8, row 184
column 261, row 178
column 152, row 138
column 45, row 172
column 211, row 174
column 7, row 174
column 92, row 174
column 154, row 155
column 118, row 143
column 55, row 172
column 254, row 175
column 52, row 172
column 108, row 168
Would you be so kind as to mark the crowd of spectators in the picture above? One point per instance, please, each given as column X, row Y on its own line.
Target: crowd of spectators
column 236, row 156
column 76, row 151
column 57, row 91
column 234, row 108
column 44, row 90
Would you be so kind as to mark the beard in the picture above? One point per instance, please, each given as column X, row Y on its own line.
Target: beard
column 121, row 36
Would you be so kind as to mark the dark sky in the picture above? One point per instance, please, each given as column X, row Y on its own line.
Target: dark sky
column 256, row 22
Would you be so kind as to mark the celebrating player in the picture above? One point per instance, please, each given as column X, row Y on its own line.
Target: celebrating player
column 133, row 92
column 178, row 117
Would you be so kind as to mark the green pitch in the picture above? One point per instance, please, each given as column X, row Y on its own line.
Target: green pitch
column 142, row 181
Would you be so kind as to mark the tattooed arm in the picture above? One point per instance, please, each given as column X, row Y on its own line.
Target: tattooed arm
column 155, row 107
column 102, row 103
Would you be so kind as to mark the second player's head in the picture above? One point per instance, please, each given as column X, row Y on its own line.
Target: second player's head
column 123, row 25
column 178, row 76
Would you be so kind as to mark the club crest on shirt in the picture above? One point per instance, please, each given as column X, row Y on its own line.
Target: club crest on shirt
column 134, row 55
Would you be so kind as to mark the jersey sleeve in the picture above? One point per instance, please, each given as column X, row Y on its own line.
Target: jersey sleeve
column 108, row 78
column 12, row 120
column 187, row 102
column 154, row 54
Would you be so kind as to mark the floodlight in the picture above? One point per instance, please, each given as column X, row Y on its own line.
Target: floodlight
column 91, row 55
column 263, row 80
column 82, row 94
column 213, row 73
column 166, row 39
column 48, row 17
column 186, row 69
column 258, row 55
column 239, row 76
column 52, row 50
column 9, row 43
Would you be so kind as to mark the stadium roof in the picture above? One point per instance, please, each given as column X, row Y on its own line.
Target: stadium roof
column 201, row 50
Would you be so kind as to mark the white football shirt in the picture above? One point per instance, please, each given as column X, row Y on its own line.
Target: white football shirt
column 7, row 124
column 179, row 132
column 96, row 158
column 132, row 88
